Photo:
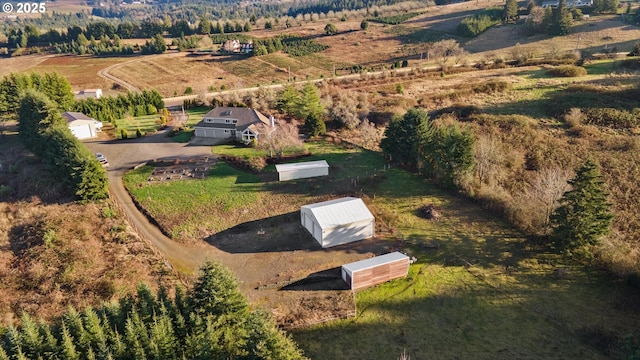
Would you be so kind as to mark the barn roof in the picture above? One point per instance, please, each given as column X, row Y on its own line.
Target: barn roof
column 302, row 166
column 374, row 261
column 338, row 212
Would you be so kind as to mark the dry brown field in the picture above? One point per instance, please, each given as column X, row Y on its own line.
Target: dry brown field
column 81, row 71
column 172, row 73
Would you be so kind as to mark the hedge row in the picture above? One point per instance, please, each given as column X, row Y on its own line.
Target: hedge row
column 45, row 132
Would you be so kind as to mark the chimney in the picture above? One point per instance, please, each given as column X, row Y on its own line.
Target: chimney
column 272, row 121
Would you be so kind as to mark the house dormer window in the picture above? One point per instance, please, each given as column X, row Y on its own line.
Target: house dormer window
column 230, row 121
column 208, row 120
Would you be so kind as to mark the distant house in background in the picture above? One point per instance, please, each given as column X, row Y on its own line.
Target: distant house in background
column 242, row 124
column 302, row 170
column 570, row 3
column 235, row 46
column 376, row 270
column 88, row 94
column 82, row 126
column 337, row 222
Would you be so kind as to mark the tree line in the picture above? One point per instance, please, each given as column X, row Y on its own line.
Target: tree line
column 441, row 152
column 44, row 131
column 210, row 321
column 110, row 108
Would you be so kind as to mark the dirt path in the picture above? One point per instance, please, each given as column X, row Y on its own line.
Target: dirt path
column 105, row 74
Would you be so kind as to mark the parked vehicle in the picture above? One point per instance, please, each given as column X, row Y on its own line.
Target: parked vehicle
column 102, row 159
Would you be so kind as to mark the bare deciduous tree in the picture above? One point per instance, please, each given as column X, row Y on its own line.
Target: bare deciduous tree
column 369, row 134
column 348, row 108
column 277, row 139
column 546, row 188
column 488, row 157
column 444, row 50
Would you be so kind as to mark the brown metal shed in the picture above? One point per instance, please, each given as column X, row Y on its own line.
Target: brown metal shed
column 376, row 270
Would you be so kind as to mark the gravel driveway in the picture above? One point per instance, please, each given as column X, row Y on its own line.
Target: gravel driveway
column 124, row 155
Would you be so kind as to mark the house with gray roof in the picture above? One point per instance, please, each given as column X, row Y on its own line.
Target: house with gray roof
column 242, row 124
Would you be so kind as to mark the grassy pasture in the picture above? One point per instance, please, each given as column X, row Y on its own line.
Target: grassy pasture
column 477, row 291
column 230, row 196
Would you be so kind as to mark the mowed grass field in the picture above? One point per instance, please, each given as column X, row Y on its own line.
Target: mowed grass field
column 477, row 290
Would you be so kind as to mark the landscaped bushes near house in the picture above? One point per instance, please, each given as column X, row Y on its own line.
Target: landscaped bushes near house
column 567, row 71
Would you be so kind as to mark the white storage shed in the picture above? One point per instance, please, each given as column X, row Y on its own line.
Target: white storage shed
column 338, row 221
column 376, row 270
column 302, row 170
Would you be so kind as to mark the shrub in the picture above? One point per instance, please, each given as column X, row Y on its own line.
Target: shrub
column 138, row 133
column 257, row 163
column 611, row 117
column 635, row 51
column 123, row 134
column 568, row 71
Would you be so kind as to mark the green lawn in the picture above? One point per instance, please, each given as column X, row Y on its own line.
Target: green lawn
column 146, row 124
column 481, row 294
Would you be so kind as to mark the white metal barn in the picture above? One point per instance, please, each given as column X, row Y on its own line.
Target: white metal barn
column 338, row 221
column 376, row 270
column 302, row 170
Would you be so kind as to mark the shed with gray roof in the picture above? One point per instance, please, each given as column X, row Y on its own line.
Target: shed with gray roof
column 302, row 170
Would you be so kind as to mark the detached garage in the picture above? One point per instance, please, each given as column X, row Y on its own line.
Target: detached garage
column 82, row 126
column 337, row 222
column 374, row 271
column 302, row 170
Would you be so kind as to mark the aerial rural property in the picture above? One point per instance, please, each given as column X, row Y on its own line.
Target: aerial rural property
column 320, row 180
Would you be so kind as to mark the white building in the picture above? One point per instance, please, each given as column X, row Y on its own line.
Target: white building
column 82, row 126
column 302, row 170
column 337, row 222
column 88, row 94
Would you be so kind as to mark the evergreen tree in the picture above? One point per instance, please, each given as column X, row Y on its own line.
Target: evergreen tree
column 561, row 20
column 583, row 216
column 510, row 10
column 308, row 103
column 314, row 126
column 68, row 350
column 404, row 138
column 216, row 292
column 448, row 153
column 287, row 100
column 31, row 340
